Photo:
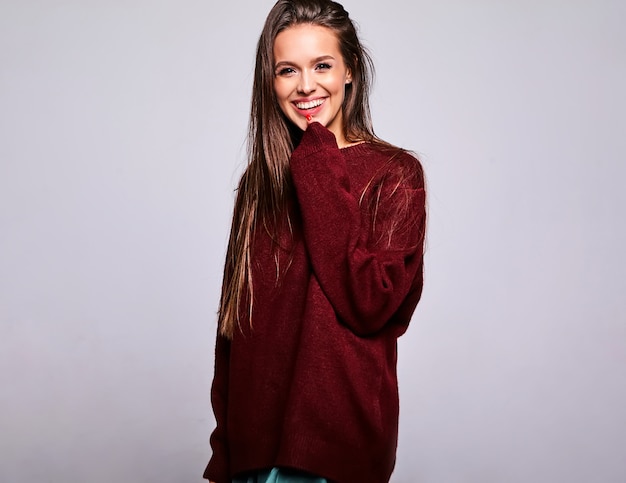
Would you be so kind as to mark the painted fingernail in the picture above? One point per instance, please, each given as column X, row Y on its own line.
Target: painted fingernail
column 309, row 117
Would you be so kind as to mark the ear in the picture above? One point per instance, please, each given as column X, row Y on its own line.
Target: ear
column 349, row 73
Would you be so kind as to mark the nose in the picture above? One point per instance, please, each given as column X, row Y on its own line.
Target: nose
column 307, row 83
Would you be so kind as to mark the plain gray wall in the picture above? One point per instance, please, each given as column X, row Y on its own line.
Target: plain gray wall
column 122, row 128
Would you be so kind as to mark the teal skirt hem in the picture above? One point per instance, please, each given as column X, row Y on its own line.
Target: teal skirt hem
column 277, row 475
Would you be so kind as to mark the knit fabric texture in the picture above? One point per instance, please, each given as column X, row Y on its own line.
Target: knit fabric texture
column 311, row 384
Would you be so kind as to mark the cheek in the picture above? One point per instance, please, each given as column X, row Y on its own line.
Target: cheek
column 338, row 85
column 282, row 89
column 280, row 98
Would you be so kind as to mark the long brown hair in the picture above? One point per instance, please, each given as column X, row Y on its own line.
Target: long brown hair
column 266, row 187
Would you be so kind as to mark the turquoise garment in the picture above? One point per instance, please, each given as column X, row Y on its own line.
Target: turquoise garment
column 276, row 475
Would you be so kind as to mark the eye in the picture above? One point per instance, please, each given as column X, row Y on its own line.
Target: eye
column 285, row 71
column 323, row 66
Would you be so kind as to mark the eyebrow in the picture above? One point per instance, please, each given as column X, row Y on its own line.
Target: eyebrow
column 315, row 61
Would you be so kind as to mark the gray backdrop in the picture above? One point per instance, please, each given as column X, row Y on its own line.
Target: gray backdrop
column 122, row 127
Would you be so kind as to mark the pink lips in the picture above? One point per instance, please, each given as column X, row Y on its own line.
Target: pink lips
column 308, row 113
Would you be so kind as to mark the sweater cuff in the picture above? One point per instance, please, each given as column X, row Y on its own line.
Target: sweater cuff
column 216, row 472
column 316, row 138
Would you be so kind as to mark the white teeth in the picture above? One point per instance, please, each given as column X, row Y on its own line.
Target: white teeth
column 310, row 104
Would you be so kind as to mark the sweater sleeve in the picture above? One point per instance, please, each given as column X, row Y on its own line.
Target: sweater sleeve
column 365, row 272
column 218, row 468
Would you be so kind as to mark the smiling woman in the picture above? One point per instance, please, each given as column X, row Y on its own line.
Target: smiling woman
column 323, row 270
column 311, row 77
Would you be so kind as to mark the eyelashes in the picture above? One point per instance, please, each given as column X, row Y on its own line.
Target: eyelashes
column 289, row 71
column 286, row 71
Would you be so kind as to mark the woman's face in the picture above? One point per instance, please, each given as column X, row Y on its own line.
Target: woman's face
column 310, row 77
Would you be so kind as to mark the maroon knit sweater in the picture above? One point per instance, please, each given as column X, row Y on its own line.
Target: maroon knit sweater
column 312, row 385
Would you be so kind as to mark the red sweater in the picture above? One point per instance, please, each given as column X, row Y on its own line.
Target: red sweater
column 312, row 385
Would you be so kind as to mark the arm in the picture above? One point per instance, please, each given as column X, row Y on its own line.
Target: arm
column 366, row 280
column 218, row 469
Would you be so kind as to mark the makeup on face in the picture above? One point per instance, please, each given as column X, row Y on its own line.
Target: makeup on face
column 310, row 77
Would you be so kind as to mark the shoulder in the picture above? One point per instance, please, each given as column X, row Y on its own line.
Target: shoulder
column 396, row 165
column 393, row 198
column 386, row 176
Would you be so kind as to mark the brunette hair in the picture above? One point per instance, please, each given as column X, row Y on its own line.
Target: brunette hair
column 265, row 187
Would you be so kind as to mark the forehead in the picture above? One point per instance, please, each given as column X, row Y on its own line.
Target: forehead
column 303, row 42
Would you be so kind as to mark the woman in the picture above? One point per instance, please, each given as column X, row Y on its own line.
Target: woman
column 323, row 270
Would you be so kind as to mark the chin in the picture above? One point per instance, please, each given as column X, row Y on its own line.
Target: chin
column 301, row 124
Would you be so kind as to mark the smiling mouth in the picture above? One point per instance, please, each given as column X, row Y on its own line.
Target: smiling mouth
column 306, row 106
